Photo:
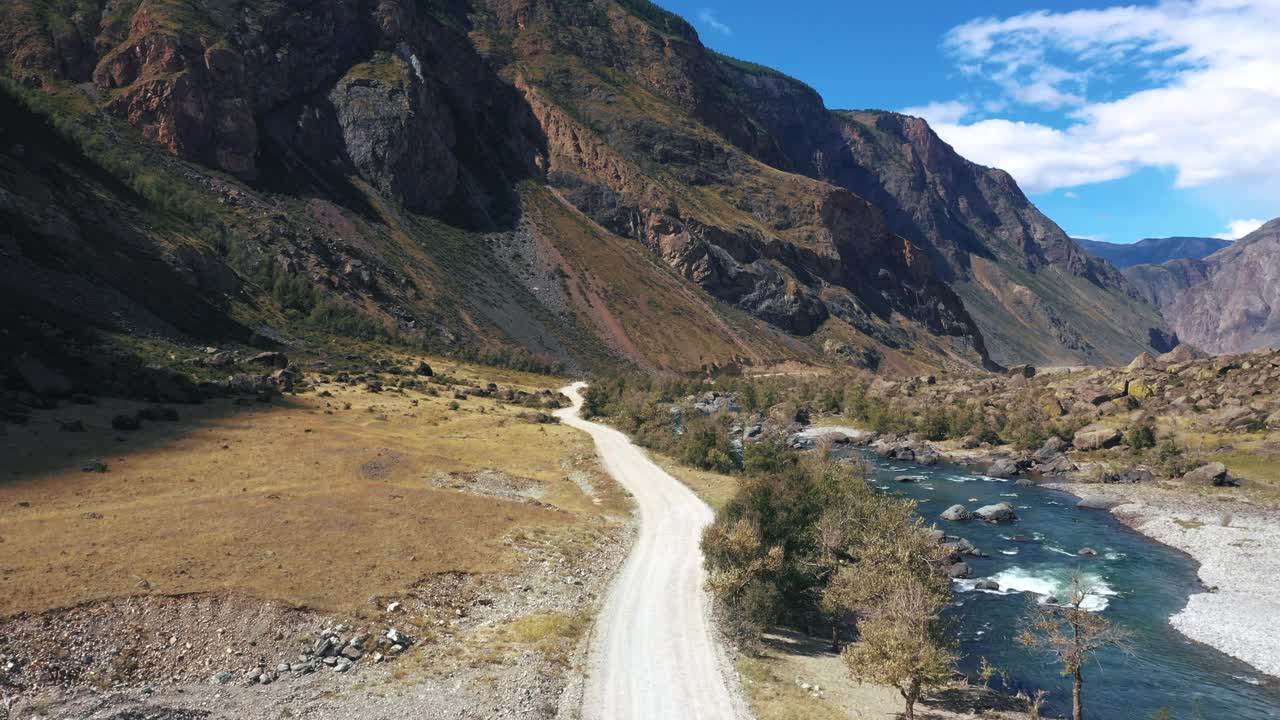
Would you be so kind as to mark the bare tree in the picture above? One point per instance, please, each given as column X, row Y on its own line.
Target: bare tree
column 1071, row 635
column 902, row 645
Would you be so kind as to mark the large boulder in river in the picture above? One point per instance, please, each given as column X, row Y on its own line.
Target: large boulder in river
column 1003, row 468
column 1057, row 465
column 956, row 513
column 959, row 570
column 1000, row 512
column 1212, row 474
column 1096, row 437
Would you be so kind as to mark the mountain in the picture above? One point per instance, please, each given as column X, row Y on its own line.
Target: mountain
column 577, row 182
column 1228, row 301
column 1152, row 251
column 1036, row 296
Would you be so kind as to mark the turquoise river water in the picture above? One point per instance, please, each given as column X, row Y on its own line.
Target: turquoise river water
column 1140, row 583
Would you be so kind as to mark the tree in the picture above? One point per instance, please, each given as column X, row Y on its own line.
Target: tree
column 902, row 644
column 1071, row 635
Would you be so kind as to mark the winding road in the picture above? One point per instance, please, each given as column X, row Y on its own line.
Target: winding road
column 654, row 655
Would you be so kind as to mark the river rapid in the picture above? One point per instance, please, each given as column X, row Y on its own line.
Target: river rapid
column 1139, row 583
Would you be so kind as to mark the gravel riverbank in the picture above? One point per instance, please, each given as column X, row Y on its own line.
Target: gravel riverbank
column 1238, row 549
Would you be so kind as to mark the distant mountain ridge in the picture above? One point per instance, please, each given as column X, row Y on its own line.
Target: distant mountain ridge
column 1226, row 302
column 1152, row 251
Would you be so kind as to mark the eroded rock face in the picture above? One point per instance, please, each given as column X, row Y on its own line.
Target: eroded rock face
column 984, row 237
column 397, row 132
column 378, row 89
column 1228, row 304
column 193, row 99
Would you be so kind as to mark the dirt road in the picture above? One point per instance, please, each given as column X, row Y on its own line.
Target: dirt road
column 655, row 654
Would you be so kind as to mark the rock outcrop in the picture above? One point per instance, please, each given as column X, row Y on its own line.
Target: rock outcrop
column 1226, row 302
column 1006, row 260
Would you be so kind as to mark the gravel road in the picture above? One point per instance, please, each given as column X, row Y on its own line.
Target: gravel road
column 654, row 654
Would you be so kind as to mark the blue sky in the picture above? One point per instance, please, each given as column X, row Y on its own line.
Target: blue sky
column 1120, row 121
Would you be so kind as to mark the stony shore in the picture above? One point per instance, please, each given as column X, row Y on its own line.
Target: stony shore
column 1238, row 549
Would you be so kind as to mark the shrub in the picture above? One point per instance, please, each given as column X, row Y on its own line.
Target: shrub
column 1141, row 437
column 705, row 445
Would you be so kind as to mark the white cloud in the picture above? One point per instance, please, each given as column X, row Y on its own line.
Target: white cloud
column 1237, row 229
column 1070, row 195
column 1210, row 111
column 938, row 113
column 708, row 18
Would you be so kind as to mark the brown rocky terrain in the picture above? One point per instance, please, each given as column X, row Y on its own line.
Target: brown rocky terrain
column 1036, row 296
column 378, row 154
column 1223, row 303
column 363, row 162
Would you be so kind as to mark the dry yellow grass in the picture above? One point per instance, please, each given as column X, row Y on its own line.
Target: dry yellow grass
column 319, row 502
column 714, row 488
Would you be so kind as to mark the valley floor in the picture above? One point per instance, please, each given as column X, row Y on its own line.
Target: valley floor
column 251, row 560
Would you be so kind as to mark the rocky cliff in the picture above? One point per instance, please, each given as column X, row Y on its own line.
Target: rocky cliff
column 1225, row 303
column 449, row 173
column 581, row 181
column 1033, row 292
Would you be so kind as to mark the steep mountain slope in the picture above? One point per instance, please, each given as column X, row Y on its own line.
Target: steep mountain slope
column 1230, row 301
column 1034, row 293
column 472, row 179
column 1152, row 251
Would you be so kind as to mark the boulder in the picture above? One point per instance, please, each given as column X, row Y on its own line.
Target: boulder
column 126, row 422
column 1097, row 397
column 1003, row 468
column 423, row 369
column 1141, row 390
column 1181, row 354
column 1000, row 512
column 1053, row 408
column 956, row 513
column 1024, row 371
column 959, row 570
column 1144, row 361
column 1057, row 465
column 1087, row 552
column 283, row 380
column 1051, row 449
column 1098, row 502
column 969, row 442
column 1233, row 416
column 1097, row 437
column 272, row 359
column 909, row 478
column 158, row 412
column 1136, row 475
column 1211, row 474
column 41, row 379
column 987, row 584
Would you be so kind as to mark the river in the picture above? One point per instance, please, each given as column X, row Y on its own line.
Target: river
column 1140, row 583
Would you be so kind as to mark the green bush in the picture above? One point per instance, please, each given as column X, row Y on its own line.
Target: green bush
column 1141, row 437
column 705, row 445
